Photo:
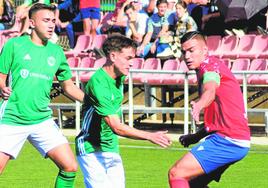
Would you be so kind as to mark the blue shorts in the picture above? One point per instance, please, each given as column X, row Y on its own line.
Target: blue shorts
column 92, row 13
column 216, row 151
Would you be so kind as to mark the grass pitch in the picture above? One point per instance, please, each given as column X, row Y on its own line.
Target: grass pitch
column 146, row 166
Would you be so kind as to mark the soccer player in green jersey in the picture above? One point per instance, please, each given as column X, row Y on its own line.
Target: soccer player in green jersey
column 31, row 62
column 97, row 144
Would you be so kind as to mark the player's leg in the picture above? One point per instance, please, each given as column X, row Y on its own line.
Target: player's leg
column 4, row 158
column 115, row 171
column 49, row 141
column 183, row 170
column 203, row 180
column 94, row 168
column 64, row 158
column 215, row 152
column 12, row 139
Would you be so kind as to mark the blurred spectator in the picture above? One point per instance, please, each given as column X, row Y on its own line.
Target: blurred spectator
column 90, row 11
column 184, row 24
column 7, row 14
column 213, row 22
column 158, row 26
column 198, row 2
column 148, row 6
column 171, row 4
column 137, row 23
column 72, row 7
column 113, row 22
column 207, row 16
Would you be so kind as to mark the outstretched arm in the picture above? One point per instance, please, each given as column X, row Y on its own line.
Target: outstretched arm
column 160, row 138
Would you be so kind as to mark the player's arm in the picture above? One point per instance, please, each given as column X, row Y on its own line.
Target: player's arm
column 160, row 138
column 5, row 91
column 72, row 90
column 211, row 82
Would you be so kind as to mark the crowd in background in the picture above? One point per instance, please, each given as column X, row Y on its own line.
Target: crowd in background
column 156, row 25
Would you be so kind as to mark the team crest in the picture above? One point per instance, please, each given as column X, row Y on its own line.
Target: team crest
column 24, row 73
column 51, row 61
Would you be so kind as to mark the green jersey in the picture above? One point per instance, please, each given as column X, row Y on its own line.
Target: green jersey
column 31, row 70
column 104, row 96
column 30, row 2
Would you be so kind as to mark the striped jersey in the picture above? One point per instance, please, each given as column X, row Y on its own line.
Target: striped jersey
column 104, row 96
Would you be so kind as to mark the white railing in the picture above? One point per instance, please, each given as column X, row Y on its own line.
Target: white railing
column 132, row 108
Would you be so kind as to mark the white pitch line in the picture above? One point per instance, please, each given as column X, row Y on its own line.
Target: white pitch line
column 177, row 149
column 173, row 149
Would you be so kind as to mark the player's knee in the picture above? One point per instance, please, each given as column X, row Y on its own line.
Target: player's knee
column 171, row 173
column 72, row 167
column 174, row 173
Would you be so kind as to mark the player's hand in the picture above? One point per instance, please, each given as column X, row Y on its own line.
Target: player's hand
column 160, row 138
column 5, row 92
column 188, row 139
column 195, row 111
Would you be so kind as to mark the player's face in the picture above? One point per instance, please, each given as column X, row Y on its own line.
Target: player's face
column 43, row 24
column 194, row 52
column 122, row 61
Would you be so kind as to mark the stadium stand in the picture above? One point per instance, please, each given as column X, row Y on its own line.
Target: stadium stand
column 213, row 43
column 73, row 62
column 240, row 64
column 260, row 44
column 256, row 64
column 97, row 64
column 150, row 64
column 97, row 42
column 86, row 62
column 82, row 43
column 245, row 44
column 170, row 79
column 228, row 45
column 137, row 63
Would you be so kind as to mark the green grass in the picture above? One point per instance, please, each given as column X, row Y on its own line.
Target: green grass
column 145, row 165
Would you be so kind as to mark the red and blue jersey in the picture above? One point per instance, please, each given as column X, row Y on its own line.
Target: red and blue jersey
column 226, row 114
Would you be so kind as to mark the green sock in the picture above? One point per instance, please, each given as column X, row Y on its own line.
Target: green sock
column 65, row 179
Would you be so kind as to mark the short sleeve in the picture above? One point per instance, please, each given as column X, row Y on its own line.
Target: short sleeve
column 6, row 57
column 64, row 72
